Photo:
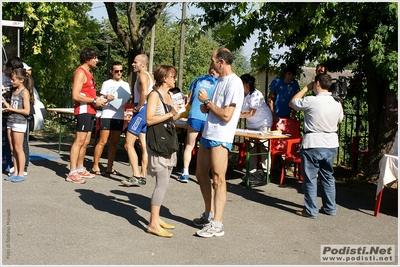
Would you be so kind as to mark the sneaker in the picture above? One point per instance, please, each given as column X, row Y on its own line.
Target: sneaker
column 201, row 221
column 75, row 178
column 321, row 210
column 304, row 213
column 183, row 178
column 131, row 181
column 141, row 180
column 86, row 174
column 17, row 179
column 210, row 230
column 11, row 171
column 8, row 178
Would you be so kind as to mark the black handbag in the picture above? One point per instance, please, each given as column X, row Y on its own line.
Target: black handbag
column 162, row 137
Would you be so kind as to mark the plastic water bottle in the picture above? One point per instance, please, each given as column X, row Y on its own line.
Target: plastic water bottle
column 265, row 127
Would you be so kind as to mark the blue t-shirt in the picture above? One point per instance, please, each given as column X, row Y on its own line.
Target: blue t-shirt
column 284, row 92
column 206, row 82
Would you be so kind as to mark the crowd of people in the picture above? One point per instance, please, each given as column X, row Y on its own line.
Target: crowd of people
column 217, row 101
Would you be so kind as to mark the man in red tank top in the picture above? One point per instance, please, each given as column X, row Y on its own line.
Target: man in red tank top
column 86, row 102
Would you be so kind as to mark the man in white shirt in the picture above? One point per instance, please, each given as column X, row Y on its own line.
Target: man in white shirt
column 322, row 114
column 216, row 141
column 112, row 119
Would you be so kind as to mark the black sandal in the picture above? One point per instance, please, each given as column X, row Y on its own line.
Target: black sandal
column 141, row 180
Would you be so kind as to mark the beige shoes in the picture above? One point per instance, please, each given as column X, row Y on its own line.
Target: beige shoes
column 166, row 225
column 162, row 232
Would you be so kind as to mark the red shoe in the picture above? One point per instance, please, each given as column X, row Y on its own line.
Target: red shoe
column 75, row 178
column 86, row 174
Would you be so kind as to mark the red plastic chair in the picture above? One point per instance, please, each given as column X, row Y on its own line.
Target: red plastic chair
column 355, row 151
column 292, row 154
column 278, row 146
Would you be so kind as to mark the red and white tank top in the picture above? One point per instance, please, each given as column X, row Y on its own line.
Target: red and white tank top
column 88, row 90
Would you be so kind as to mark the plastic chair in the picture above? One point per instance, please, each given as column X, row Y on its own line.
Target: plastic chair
column 292, row 155
column 356, row 150
column 278, row 146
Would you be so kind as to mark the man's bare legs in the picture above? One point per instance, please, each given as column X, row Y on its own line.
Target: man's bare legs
column 78, row 149
column 98, row 150
column 130, row 140
column 209, row 159
column 112, row 149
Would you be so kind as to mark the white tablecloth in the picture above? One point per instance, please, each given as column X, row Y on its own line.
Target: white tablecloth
column 388, row 167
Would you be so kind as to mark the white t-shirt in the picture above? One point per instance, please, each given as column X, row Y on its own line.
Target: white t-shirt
column 256, row 101
column 322, row 114
column 110, row 87
column 229, row 90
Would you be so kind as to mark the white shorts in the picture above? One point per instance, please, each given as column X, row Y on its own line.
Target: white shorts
column 17, row 127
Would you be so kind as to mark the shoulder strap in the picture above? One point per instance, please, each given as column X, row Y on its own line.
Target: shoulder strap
column 162, row 100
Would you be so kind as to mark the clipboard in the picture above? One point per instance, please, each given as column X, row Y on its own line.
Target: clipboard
column 121, row 97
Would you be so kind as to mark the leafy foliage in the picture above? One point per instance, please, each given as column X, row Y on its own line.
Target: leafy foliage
column 362, row 35
column 53, row 37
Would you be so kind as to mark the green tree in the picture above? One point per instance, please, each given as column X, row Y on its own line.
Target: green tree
column 363, row 35
column 53, row 36
column 141, row 17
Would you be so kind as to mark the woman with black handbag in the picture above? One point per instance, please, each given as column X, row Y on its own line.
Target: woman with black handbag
column 160, row 114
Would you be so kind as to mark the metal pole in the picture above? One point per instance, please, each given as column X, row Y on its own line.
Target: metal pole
column 19, row 42
column 182, row 46
column 153, row 33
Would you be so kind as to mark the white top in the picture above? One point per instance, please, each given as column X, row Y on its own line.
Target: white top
column 322, row 116
column 229, row 90
column 256, row 101
column 136, row 94
column 110, row 87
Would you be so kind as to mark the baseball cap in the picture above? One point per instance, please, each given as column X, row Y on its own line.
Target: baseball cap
column 26, row 67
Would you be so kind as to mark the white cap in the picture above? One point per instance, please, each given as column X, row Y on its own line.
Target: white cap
column 26, row 67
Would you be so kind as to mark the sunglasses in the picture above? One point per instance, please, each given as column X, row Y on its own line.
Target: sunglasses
column 117, row 71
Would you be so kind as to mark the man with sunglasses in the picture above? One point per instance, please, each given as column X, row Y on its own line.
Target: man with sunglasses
column 137, row 126
column 112, row 119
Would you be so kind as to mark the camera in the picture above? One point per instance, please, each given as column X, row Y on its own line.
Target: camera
column 339, row 88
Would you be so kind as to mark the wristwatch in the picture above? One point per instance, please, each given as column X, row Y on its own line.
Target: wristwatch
column 207, row 101
column 94, row 101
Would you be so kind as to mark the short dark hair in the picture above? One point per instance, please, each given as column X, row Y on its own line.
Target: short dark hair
column 250, row 80
column 12, row 64
column 291, row 69
column 115, row 63
column 87, row 54
column 225, row 54
column 325, row 80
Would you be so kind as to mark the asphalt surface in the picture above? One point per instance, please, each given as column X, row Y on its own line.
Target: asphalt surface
column 47, row 221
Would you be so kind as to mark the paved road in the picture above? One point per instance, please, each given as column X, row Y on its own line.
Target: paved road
column 47, row 221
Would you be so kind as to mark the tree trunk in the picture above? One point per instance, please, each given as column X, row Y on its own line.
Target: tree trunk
column 382, row 122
